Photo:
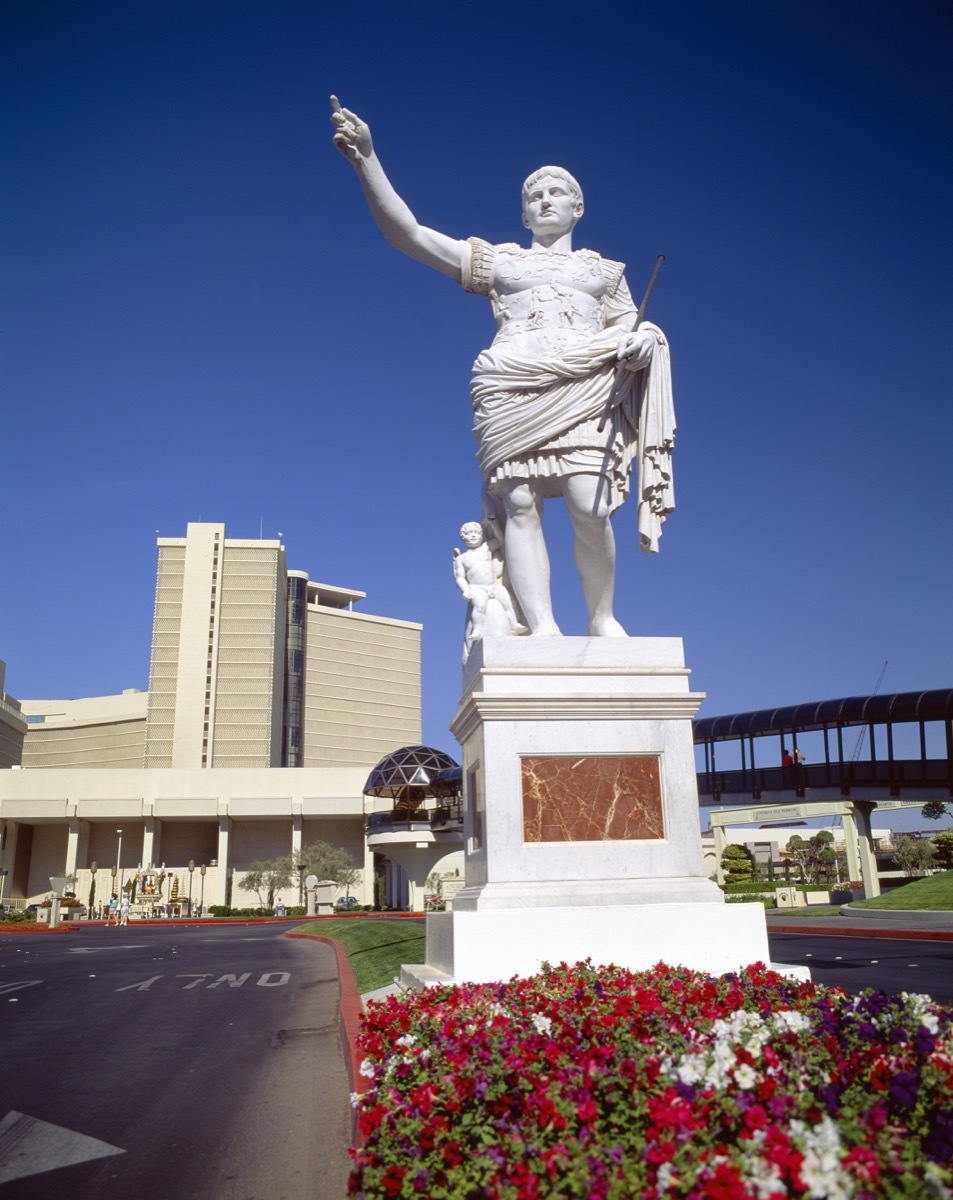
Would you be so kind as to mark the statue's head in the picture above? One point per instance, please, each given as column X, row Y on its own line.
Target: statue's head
column 471, row 534
column 561, row 175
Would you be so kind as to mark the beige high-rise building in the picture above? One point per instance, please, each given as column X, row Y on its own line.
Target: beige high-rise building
column 270, row 700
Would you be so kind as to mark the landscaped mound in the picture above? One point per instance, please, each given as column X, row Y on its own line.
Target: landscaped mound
column 600, row 1082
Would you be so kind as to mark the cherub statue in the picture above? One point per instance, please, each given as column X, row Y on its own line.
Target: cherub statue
column 479, row 576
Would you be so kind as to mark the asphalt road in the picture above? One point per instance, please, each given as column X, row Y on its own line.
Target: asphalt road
column 855, row 963
column 205, row 1061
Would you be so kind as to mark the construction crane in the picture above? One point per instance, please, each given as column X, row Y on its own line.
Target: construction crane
column 859, row 744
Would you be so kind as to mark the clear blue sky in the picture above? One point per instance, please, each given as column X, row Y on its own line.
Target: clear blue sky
column 200, row 321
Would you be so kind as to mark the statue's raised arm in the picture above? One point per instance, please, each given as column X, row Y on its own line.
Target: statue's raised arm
column 397, row 223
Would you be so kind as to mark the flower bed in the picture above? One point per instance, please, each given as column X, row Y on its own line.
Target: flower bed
column 600, row 1082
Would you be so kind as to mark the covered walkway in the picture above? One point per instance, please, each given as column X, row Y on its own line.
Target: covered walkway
column 858, row 742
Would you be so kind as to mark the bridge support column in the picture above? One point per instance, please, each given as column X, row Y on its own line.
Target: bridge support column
column 851, row 846
column 721, row 843
column 868, row 862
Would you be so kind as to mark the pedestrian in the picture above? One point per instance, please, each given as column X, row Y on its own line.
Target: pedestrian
column 112, row 917
column 124, row 910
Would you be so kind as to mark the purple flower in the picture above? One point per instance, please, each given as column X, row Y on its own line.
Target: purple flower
column 924, row 1042
column 939, row 1141
column 904, row 1087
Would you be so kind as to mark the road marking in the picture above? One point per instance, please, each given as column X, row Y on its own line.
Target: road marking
column 140, row 987
column 15, row 987
column 31, row 1147
column 99, row 949
column 268, row 979
column 231, row 980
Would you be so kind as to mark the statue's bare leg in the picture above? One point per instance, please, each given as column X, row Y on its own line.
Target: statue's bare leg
column 524, row 551
column 594, row 549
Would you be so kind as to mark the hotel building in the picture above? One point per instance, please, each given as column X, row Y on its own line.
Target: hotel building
column 271, row 698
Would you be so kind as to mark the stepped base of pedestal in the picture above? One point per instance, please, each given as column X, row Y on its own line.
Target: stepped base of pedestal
column 488, row 946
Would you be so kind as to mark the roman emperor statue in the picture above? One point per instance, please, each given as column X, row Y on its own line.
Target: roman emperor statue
column 572, row 399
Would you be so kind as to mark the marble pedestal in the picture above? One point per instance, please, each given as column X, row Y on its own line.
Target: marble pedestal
column 581, row 832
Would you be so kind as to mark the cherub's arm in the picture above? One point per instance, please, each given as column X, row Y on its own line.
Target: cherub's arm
column 460, row 573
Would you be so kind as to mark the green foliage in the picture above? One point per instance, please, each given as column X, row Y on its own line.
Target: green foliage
column 375, row 948
column 933, row 810
column 943, row 845
column 603, row 1083
column 914, row 856
column 935, row 893
column 322, row 860
column 265, row 878
column 737, row 864
column 18, row 916
column 815, row 858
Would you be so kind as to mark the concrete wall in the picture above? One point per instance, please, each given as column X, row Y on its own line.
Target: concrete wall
column 362, row 687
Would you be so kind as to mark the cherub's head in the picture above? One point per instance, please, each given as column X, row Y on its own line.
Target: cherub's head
column 471, row 534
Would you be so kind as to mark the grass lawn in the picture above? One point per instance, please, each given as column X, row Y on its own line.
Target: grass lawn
column 935, row 892
column 375, row 948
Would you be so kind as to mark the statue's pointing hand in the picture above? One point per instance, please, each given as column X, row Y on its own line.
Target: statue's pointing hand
column 352, row 136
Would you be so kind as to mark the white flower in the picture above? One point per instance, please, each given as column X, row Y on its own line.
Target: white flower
column 665, row 1177
column 934, row 1176
column 355, row 1099
column 367, row 1068
column 541, row 1024
column 795, row 1021
column 746, row 1077
column 821, row 1169
column 406, row 1039
column 691, row 1069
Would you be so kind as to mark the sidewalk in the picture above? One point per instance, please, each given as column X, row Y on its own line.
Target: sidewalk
column 919, row 925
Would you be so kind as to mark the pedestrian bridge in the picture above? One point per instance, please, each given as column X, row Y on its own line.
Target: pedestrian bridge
column 878, row 747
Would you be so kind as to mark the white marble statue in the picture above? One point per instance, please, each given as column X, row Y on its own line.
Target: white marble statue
column 479, row 576
column 567, row 401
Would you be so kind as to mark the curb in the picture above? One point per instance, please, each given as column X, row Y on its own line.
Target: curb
column 351, row 1012
column 913, row 935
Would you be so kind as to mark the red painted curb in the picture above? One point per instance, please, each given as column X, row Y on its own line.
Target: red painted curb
column 913, row 935
column 351, row 1013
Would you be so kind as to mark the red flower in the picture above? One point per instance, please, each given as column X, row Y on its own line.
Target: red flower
column 862, row 1163
column 725, row 1184
column 453, row 1154
column 392, row 1181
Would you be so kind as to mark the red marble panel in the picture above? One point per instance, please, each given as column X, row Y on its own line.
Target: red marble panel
column 591, row 799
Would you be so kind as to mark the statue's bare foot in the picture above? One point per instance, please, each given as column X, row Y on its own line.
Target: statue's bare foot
column 550, row 629
column 606, row 627
column 518, row 630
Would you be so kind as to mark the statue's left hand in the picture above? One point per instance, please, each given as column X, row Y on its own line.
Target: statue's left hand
column 635, row 350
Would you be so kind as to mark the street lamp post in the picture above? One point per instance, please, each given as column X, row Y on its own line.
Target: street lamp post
column 119, row 864
column 92, row 890
column 191, row 870
column 202, row 901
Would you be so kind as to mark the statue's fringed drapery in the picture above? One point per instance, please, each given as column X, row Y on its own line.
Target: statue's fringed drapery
column 521, row 405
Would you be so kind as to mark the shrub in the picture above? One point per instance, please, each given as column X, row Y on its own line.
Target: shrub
column 17, row 916
column 610, row 1084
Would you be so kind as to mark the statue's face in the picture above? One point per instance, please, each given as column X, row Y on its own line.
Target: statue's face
column 472, row 535
column 550, row 206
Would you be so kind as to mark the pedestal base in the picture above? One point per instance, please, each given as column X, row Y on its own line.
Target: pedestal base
column 492, row 946
column 581, row 818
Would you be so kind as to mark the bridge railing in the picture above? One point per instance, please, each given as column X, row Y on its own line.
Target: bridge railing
column 894, row 775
